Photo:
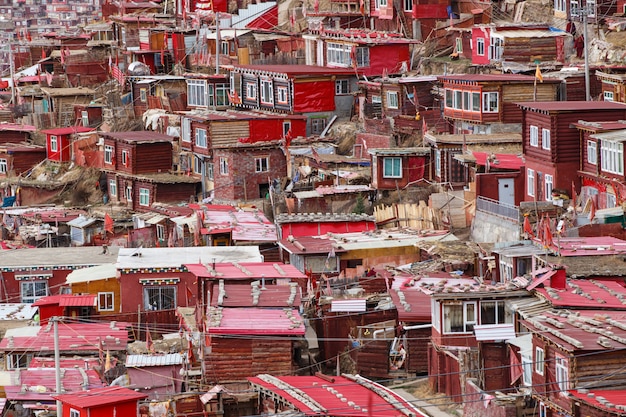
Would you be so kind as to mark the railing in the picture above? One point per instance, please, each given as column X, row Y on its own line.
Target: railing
column 495, row 207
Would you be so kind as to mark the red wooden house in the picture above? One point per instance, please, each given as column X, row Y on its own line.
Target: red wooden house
column 494, row 44
column 59, row 142
column 370, row 53
column 601, row 172
column 399, row 167
column 101, row 402
column 138, row 167
column 17, row 158
column 473, row 102
column 309, row 224
column 613, row 86
column 320, row 93
column 13, row 132
column 552, row 145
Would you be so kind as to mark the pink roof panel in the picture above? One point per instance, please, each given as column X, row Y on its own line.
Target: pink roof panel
column 100, row 396
column 256, row 321
column 587, row 294
column 239, row 295
column 246, row 270
column 614, row 397
column 87, row 300
column 337, row 396
column 504, row 160
column 41, row 383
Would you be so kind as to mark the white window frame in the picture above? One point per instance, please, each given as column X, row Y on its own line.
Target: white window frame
column 612, row 157
column 545, row 139
column 210, row 169
column 267, row 92
column 113, row 188
column 560, row 6
column 74, row 413
column 108, row 154
column 611, row 200
column 574, row 8
column 4, row 166
column 362, row 56
column 437, row 162
column 197, row 93
column 590, row 5
column 530, row 182
column 527, row 368
column 534, row 136
column 408, row 5
column 480, row 46
column 54, row 143
column 468, row 323
column 251, row 90
column 106, row 305
column 281, row 94
column 342, row 86
column 548, row 184
column 592, row 152
column 197, row 165
column 561, row 368
column 186, row 129
column 262, row 164
column 159, row 289
column 144, row 197
column 488, row 96
column 37, row 292
column 125, row 157
column 160, row 232
column 540, row 360
column 128, row 193
column 394, row 168
column 223, row 166
column 392, row 100
column 201, row 140
column 608, row 96
column 143, row 95
column 338, row 54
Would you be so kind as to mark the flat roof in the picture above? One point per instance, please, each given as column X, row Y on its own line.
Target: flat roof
column 71, row 257
column 255, row 321
column 568, row 106
column 137, row 258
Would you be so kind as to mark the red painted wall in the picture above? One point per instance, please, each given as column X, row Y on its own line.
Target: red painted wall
column 132, row 290
column 487, row 185
column 484, row 33
column 63, row 152
column 316, row 229
column 120, row 408
column 387, row 59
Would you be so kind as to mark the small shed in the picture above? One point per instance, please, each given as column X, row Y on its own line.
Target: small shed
column 157, row 376
column 58, row 142
column 101, row 402
column 82, row 230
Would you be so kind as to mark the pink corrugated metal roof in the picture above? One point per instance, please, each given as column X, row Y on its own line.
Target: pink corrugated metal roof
column 240, row 295
column 504, row 160
column 100, row 396
column 567, row 106
column 48, row 300
column 67, row 130
column 416, row 305
column 75, row 337
column 72, row 300
column 338, row 396
column 256, row 321
column 75, row 362
column 593, row 245
column 587, row 294
column 310, row 245
column 35, row 379
column 613, row 396
column 580, row 329
column 248, row 270
column 17, row 127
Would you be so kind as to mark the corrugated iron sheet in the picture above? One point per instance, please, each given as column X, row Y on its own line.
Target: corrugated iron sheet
column 492, row 332
column 351, row 305
column 140, row 361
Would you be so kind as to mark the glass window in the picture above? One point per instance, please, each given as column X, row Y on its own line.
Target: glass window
column 144, row 197
column 125, row 158
column 534, row 136
column 250, row 90
column 267, row 96
column 159, row 297
column 4, row 167
column 475, row 101
column 459, row 318
column 201, row 138
column 449, row 99
column 392, row 99
column 143, row 95
column 562, row 373
column 608, row 96
column 338, row 54
column 209, row 171
column 548, row 184
column 160, row 232
column 362, row 57
column 54, row 143
column 186, row 129
column 224, row 166
column 221, row 94
column 612, row 157
column 392, row 167
column 196, row 93
column 261, row 164
column 527, row 368
column 530, row 182
column 108, row 154
column 74, row 413
column 539, row 360
column 105, row 301
column 31, row 291
column 545, row 138
column 197, row 165
column 480, row 46
column 592, row 155
column 492, row 312
column 342, row 87
column 113, row 188
column 318, row 125
column 281, row 93
column 128, row 193
column 408, row 5
column 490, row 102
column 437, row 162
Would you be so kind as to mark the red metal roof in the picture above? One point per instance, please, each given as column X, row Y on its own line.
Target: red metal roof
column 74, row 362
column 294, row 70
column 100, row 396
column 337, row 396
column 565, row 106
column 504, row 160
column 596, row 127
column 414, row 307
column 75, row 337
column 246, row 270
column 488, row 78
column 590, row 246
column 584, row 293
column 17, row 127
column 48, row 300
column 613, row 396
column 240, row 295
column 309, row 245
column 67, row 130
column 41, row 383
column 255, row 321
column 71, row 300
column 580, row 329
column 138, row 136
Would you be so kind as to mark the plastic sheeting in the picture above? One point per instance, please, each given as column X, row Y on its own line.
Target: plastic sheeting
column 315, row 96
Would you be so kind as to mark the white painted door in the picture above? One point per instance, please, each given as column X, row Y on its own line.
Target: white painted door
column 506, row 191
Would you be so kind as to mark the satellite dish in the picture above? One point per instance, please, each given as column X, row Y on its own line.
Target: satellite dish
column 138, row 68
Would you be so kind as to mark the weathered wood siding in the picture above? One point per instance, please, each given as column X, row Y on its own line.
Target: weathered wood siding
column 234, row 359
column 228, row 132
column 150, row 158
column 515, row 93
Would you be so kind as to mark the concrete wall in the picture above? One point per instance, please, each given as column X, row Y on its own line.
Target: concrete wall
column 491, row 228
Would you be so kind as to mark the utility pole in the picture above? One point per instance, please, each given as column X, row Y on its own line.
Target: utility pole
column 217, row 43
column 585, row 12
column 57, row 364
